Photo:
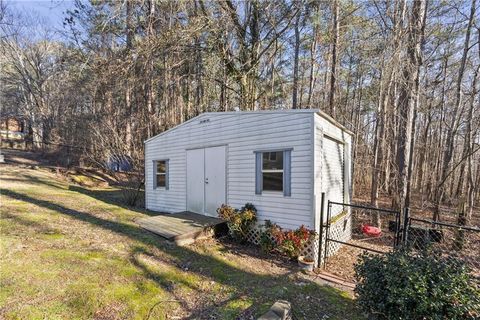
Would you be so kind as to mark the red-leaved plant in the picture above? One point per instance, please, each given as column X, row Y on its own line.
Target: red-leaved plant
column 289, row 242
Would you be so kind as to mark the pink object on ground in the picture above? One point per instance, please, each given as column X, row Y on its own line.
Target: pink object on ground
column 371, row 231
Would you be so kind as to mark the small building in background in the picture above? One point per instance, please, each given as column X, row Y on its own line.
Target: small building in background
column 13, row 131
column 119, row 163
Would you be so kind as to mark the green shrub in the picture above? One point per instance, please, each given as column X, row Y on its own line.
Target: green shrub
column 267, row 244
column 238, row 221
column 402, row 285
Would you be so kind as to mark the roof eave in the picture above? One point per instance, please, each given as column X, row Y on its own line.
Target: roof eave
column 334, row 122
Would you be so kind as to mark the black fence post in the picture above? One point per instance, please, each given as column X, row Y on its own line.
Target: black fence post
column 320, row 238
column 327, row 233
column 406, row 218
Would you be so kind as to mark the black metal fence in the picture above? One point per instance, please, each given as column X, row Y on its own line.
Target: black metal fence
column 446, row 240
column 348, row 230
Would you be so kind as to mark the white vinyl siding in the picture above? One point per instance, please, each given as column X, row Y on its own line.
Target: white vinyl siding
column 318, row 139
column 243, row 134
column 332, row 164
column 333, row 171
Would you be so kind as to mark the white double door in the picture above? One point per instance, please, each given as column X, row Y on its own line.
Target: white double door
column 206, row 179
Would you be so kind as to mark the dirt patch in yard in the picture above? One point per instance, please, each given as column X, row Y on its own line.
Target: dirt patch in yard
column 342, row 263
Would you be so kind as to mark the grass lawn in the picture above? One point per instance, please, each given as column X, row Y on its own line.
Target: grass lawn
column 69, row 252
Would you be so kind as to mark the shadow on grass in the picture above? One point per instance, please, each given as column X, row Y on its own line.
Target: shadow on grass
column 260, row 288
column 39, row 227
column 25, row 178
column 113, row 197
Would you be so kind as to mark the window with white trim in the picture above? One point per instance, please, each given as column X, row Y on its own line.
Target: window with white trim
column 161, row 174
column 272, row 171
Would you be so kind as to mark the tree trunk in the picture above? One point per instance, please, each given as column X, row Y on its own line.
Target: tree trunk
column 356, row 136
column 423, row 152
column 452, row 130
column 313, row 62
column 333, row 66
column 407, row 98
column 128, row 90
column 379, row 143
column 469, row 140
column 295, row 62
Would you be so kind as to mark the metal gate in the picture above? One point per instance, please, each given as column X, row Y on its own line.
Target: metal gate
column 350, row 229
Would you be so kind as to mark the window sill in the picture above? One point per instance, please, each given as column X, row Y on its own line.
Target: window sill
column 272, row 193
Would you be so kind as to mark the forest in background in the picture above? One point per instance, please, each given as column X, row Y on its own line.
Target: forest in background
column 402, row 75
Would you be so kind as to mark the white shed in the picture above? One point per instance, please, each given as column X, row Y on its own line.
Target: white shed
column 281, row 161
